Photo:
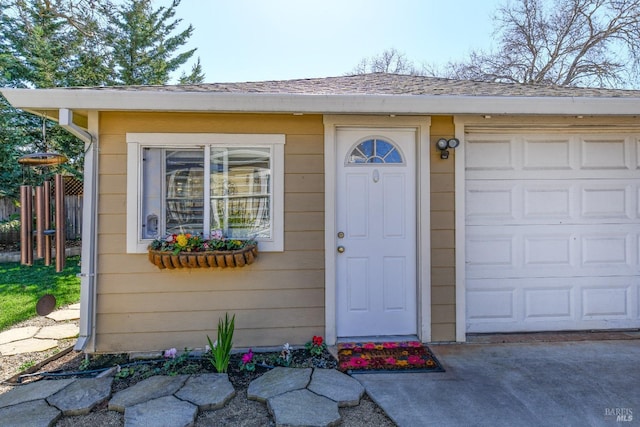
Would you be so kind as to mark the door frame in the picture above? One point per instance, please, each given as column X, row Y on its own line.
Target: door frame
column 422, row 125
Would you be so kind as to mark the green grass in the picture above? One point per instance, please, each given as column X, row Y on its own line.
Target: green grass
column 22, row 286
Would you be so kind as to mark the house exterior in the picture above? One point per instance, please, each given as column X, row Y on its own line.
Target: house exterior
column 365, row 227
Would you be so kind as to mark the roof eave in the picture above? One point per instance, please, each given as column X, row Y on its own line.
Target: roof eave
column 149, row 100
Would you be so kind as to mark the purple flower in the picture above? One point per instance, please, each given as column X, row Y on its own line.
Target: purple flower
column 247, row 357
column 170, row 354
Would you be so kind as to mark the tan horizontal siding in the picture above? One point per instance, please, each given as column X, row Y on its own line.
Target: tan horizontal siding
column 304, row 183
column 210, row 300
column 304, row 202
column 113, row 184
column 177, row 322
column 173, row 281
column 443, row 314
column 251, row 337
column 304, row 221
column 298, row 163
column 112, row 204
column 304, row 240
column 305, row 144
column 278, row 299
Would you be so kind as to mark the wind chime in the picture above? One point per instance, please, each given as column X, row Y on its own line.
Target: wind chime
column 42, row 196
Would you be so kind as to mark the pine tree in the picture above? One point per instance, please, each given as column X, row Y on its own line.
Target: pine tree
column 144, row 47
column 196, row 76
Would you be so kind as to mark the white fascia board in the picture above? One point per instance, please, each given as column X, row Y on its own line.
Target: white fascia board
column 163, row 100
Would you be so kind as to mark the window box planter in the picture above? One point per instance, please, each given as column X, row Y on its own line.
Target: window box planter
column 208, row 259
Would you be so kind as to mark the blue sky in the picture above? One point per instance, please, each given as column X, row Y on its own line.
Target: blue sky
column 248, row 40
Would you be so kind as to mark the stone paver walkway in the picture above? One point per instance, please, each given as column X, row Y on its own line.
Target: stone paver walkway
column 31, row 339
column 302, row 397
column 305, row 397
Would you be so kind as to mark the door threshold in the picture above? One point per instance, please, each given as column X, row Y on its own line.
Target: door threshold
column 378, row 338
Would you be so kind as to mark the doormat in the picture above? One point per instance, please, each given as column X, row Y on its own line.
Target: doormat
column 370, row 357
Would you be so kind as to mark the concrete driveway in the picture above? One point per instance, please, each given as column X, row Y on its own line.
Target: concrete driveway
column 588, row 383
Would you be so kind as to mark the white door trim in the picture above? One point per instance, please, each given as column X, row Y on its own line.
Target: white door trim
column 461, row 238
column 422, row 126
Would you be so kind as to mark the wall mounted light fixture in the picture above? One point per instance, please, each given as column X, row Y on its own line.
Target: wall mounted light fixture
column 443, row 145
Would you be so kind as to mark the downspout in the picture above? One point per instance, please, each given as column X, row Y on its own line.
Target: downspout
column 88, row 270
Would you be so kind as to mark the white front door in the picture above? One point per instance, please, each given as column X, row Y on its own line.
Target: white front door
column 376, row 226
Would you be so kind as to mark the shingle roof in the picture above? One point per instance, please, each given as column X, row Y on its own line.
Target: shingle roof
column 388, row 84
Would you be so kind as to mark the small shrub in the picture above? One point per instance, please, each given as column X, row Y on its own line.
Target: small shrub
column 221, row 349
column 316, row 346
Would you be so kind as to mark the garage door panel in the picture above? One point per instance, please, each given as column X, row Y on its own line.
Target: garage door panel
column 515, row 202
column 491, row 203
column 490, row 154
column 546, row 250
column 552, row 231
column 494, row 305
column 573, row 246
column 548, row 304
column 591, row 156
column 549, row 201
column 547, row 153
column 607, row 302
column 529, row 304
column 614, row 200
column 608, row 250
column 604, row 153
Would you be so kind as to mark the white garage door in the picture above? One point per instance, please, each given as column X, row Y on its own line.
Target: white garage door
column 553, row 231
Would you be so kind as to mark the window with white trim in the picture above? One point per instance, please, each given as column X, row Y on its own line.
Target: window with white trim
column 198, row 183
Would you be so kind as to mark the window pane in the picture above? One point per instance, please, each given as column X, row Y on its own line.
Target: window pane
column 241, row 191
column 185, row 191
column 152, row 203
column 374, row 151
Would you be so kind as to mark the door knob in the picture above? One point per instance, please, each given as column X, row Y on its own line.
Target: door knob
column 341, row 249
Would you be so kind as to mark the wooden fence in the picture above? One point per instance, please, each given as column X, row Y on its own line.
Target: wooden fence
column 73, row 207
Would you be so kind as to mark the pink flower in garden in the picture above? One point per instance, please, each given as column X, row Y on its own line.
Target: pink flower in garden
column 247, row 357
column 170, row 354
column 216, row 234
column 369, row 346
column 415, row 344
column 390, row 361
column 390, row 345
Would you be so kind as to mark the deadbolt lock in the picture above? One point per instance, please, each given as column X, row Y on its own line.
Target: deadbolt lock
column 341, row 235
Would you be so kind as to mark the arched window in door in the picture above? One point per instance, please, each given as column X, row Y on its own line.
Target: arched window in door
column 375, row 150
